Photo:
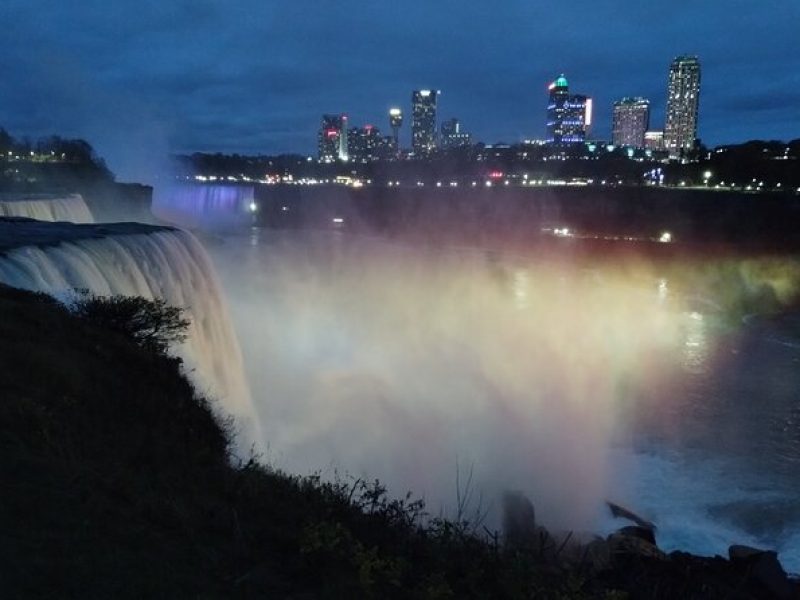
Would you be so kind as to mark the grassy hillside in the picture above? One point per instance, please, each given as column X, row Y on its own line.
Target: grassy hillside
column 117, row 483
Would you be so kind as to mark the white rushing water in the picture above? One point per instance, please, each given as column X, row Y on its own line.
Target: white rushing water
column 207, row 207
column 71, row 207
column 168, row 264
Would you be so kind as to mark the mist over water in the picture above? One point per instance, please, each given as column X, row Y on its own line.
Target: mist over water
column 573, row 382
column 398, row 363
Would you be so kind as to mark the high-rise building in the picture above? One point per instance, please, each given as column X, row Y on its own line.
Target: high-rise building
column 452, row 136
column 683, row 99
column 364, row 143
column 332, row 140
column 396, row 122
column 654, row 140
column 631, row 120
column 568, row 115
column 423, row 122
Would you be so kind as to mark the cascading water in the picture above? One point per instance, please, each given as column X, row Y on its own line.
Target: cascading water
column 204, row 206
column 45, row 207
column 153, row 263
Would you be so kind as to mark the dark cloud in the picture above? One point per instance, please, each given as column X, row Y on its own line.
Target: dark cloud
column 254, row 76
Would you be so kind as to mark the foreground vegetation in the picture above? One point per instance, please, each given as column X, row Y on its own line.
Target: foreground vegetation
column 117, row 482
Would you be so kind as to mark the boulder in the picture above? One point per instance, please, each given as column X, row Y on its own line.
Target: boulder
column 624, row 544
column 643, row 533
column 763, row 566
column 519, row 520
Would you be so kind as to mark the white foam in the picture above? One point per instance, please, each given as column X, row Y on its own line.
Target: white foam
column 168, row 264
column 71, row 207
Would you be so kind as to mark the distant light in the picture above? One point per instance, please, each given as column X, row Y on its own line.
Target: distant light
column 707, row 175
column 395, row 112
column 284, row 208
column 588, row 118
column 253, row 207
column 338, row 220
column 665, row 238
column 438, row 184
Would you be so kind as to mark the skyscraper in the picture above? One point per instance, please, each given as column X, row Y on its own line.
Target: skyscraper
column 423, row 122
column 631, row 120
column 452, row 136
column 332, row 140
column 395, row 122
column 683, row 98
column 363, row 143
column 568, row 116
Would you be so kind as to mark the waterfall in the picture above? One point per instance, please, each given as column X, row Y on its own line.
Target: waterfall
column 45, row 207
column 163, row 263
column 204, row 206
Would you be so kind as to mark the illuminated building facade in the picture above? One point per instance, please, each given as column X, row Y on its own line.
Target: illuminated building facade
column 683, row 100
column 364, row 143
column 631, row 120
column 423, row 121
column 396, row 122
column 568, row 115
column 452, row 136
column 332, row 140
column 654, row 140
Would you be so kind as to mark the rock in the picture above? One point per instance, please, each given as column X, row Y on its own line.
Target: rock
column 622, row 544
column 519, row 520
column 643, row 533
column 764, row 567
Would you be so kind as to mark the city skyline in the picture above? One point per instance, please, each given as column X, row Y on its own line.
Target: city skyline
column 255, row 78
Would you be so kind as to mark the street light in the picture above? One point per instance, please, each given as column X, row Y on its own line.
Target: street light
column 706, row 176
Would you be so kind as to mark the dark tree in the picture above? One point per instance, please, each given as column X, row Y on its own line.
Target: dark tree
column 152, row 324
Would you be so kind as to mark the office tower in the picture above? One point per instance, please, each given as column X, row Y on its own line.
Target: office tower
column 332, row 142
column 395, row 122
column 423, row 122
column 631, row 120
column 452, row 136
column 568, row 115
column 683, row 98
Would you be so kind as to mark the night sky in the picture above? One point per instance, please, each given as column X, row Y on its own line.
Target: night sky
column 142, row 78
